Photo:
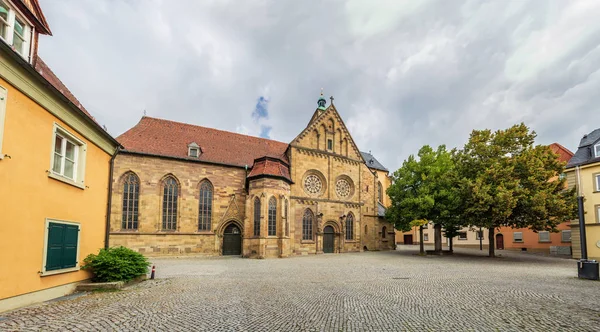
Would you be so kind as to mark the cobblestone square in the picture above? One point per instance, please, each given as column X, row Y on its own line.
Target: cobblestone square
column 369, row 291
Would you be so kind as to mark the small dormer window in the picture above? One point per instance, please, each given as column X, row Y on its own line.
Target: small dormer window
column 597, row 150
column 14, row 30
column 194, row 150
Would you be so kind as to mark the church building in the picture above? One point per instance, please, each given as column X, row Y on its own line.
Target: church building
column 184, row 189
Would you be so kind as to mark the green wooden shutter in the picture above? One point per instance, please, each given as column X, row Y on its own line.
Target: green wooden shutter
column 70, row 246
column 55, row 246
column 62, row 246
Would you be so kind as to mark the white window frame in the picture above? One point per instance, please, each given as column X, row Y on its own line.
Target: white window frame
column 3, row 96
column 515, row 237
column 425, row 237
column 562, row 235
column 80, row 157
column 597, row 150
column 544, row 233
column 597, row 182
column 465, row 238
column 13, row 14
column 43, row 271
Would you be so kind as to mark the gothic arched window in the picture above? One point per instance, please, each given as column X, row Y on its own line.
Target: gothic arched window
column 307, row 225
column 350, row 226
column 383, row 231
column 256, row 216
column 131, row 197
column 287, row 221
column 272, row 222
column 169, row 204
column 205, row 206
column 380, row 192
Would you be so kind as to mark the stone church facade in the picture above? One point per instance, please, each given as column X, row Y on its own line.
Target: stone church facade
column 184, row 189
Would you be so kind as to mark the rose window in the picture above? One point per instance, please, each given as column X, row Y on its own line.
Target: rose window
column 312, row 184
column 342, row 188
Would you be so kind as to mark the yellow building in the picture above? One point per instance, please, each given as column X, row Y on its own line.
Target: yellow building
column 587, row 159
column 54, row 169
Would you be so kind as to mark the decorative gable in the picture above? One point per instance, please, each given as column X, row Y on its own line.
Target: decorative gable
column 327, row 132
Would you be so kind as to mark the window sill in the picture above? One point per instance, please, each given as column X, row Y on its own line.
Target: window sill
column 307, row 241
column 53, row 272
column 565, row 241
column 65, row 180
column 544, row 241
column 205, row 232
column 517, row 241
column 350, row 241
column 462, row 239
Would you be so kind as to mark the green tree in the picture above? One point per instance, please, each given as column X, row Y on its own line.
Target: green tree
column 507, row 181
column 425, row 189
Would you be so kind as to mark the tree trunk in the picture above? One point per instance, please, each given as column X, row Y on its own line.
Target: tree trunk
column 451, row 249
column 421, row 245
column 437, row 233
column 491, row 241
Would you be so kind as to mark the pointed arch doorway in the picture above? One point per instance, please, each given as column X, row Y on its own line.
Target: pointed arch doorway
column 328, row 239
column 232, row 240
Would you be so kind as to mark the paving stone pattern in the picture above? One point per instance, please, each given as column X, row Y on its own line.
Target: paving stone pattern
column 369, row 291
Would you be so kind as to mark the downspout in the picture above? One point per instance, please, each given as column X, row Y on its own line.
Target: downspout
column 109, row 198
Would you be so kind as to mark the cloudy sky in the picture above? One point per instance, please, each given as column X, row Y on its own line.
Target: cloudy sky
column 403, row 73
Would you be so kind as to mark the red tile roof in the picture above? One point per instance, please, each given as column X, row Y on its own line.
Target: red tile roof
column 42, row 68
column 35, row 11
column 171, row 139
column 271, row 167
column 564, row 154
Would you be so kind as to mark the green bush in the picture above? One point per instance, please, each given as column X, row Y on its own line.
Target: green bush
column 116, row 264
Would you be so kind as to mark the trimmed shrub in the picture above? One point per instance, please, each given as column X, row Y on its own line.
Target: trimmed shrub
column 116, row 264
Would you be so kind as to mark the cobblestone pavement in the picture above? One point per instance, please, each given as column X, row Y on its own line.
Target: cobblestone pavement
column 370, row 291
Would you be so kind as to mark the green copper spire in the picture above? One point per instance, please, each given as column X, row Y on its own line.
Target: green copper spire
column 322, row 102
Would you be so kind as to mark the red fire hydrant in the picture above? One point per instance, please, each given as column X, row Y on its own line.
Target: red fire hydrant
column 152, row 273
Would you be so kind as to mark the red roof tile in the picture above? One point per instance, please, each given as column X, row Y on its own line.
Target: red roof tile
column 42, row 68
column 171, row 139
column 268, row 166
column 564, row 154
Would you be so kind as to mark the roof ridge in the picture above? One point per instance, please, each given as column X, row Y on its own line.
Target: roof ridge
column 209, row 128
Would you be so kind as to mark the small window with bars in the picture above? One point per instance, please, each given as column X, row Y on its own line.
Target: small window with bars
column 462, row 235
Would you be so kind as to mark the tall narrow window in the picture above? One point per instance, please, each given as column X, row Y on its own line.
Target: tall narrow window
column 205, row 206
column 383, row 231
column 287, row 221
column 329, row 144
column 131, row 196
column 350, row 227
column 379, row 192
column 169, row 206
column 307, row 225
column 272, row 223
column 256, row 216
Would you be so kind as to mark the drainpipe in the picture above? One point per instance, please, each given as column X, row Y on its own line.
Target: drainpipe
column 109, row 198
column 582, row 235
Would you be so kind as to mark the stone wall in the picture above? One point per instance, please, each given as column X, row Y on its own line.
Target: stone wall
column 228, row 204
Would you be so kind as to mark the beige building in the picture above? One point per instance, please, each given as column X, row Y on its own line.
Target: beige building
column 587, row 160
column 180, row 188
column 467, row 238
